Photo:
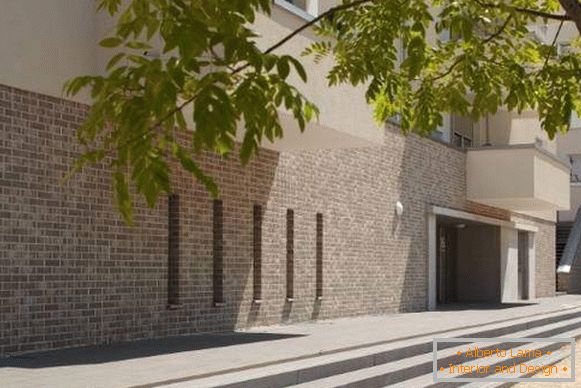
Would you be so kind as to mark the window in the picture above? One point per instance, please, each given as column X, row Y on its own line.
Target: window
column 443, row 132
column 401, row 52
column 218, row 253
column 461, row 141
column 438, row 134
column 302, row 4
column 319, row 257
column 396, row 120
column 290, row 243
column 305, row 9
column 462, row 129
column 257, row 263
column 575, row 120
column 564, row 48
column 575, row 168
column 173, row 256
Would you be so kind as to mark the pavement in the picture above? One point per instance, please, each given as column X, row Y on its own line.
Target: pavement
column 185, row 358
column 565, row 363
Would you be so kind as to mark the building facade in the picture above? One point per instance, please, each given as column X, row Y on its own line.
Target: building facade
column 347, row 219
column 568, row 234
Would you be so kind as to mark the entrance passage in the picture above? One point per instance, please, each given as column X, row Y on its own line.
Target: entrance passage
column 478, row 259
column 467, row 262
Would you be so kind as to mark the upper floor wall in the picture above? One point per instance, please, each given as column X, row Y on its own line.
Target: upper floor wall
column 343, row 109
column 44, row 43
column 514, row 128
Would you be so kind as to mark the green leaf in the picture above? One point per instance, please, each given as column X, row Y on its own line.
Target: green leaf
column 114, row 60
column 111, row 42
column 138, row 45
column 73, row 86
column 214, row 67
column 189, row 165
column 112, row 6
column 299, row 68
column 122, row 197
column 283, row 67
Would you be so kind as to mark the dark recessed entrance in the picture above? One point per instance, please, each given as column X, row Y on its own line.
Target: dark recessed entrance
column 467, row 262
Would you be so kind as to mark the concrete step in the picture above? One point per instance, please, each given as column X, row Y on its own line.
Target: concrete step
column 418, row 371
column 553, row 359
column 393, row 356
column 427, row 380
column 559, row 353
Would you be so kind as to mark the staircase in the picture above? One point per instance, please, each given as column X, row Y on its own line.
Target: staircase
column 403, row 363
column 563, row 231
column 567, row 258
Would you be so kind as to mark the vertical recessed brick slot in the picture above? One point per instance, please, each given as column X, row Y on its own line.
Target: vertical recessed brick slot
column 319, row 257
column 290, row 253
column 173, row 258
column 218, row 251
column 257, row 250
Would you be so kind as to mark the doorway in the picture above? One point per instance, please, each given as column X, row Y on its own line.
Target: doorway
column 467, row 262
column 478, row 259
column 446, row 264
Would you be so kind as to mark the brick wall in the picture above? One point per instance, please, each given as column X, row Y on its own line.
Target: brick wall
column 73, row 274
column 546, row 272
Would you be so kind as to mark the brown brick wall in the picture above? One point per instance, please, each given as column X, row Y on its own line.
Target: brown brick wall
column 73, row 274
column 546, row 271
column 563, row 283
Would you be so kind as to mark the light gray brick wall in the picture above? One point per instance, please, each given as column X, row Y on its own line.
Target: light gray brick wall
column 73, row 274
column 545, row 260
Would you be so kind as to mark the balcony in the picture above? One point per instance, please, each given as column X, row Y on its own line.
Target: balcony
column 518, row 178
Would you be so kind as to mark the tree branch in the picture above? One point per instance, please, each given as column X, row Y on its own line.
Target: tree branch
column 573, row 10
column 317, row 19
column 237, row 70
column 450, row 69
column 528, row 11
column 281, row 42
column 460, row 58
column 499, row 32
column 553, row 44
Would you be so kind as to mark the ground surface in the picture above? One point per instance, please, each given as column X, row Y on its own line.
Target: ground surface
column 564, row 363
column 159, row 361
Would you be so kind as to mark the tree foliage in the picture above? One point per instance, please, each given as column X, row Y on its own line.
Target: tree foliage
column 468, row 57
column 482, row 56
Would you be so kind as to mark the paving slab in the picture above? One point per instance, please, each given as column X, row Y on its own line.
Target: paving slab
column 164, row 361
column 566, row 362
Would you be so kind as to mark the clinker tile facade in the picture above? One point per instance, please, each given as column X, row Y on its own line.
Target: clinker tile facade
column 71, row 272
